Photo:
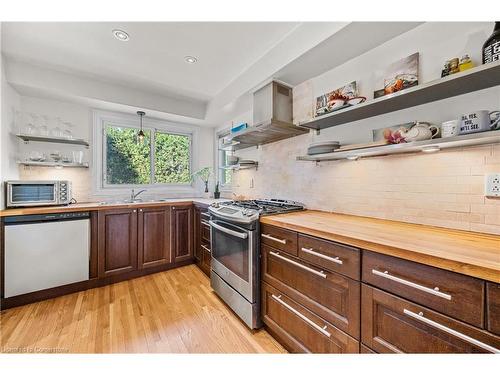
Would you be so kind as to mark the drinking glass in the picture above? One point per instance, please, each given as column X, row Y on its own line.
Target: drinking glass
column 78, row 157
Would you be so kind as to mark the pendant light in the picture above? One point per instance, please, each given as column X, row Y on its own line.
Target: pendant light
column 141, row 135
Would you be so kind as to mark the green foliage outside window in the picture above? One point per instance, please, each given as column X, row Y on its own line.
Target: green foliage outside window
column 129, row 162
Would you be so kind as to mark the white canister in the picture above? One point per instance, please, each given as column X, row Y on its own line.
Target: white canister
column 450, row 128
column 475, row 122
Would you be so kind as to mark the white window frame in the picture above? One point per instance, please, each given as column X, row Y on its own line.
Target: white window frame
column 218, row 153
column 101, row 119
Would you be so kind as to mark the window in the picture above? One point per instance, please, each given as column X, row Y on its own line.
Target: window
column 224, row 175
column 164, row 158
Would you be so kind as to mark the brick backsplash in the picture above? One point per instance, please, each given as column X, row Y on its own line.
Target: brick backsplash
column 444, row 189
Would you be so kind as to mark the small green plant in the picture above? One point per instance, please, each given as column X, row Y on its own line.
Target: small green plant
column 216, row 191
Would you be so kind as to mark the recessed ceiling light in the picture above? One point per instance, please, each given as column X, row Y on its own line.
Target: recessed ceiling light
column 190, row 59
column 121, row 35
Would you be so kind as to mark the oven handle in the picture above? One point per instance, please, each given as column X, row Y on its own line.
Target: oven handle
column 228, row 231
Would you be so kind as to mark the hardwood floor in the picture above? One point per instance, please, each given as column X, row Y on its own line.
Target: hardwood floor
column 169, row 312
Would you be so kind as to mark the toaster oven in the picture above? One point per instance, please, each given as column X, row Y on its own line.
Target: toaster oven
column 37, row 193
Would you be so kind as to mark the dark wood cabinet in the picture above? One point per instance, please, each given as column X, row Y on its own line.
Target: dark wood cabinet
column 279, row 238
column 201, row 238
column 393, row 325
column 493, row 308
column 182, row 232
column 197, row 234
column 456, row 295
column 154, row 237
column 117, row 238
column 298, row 329
column 330, row 295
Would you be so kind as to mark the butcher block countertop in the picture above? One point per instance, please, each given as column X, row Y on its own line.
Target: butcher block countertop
column 95, row 206
column 468, row 253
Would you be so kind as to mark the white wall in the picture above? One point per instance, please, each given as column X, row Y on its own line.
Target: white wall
column 10, row 102
column 81, row 118
column 443, row 189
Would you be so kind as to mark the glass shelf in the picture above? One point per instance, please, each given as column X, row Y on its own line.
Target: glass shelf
column 53, row 164
column 48, row 139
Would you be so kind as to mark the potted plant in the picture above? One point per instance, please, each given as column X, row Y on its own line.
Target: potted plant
column 216, row 191
column 204, row 175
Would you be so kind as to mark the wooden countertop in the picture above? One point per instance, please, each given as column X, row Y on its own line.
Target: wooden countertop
column 95, row 206
column 468, row 253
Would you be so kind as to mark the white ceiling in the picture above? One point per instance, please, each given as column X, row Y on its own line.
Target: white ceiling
column 153, row 58
column 84, row 62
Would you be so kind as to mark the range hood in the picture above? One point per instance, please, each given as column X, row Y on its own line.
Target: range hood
column 272, row 118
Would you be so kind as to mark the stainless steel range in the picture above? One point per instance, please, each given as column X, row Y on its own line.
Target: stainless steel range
column 235, row 274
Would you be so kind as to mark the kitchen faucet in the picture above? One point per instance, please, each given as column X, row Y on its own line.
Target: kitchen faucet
column 134, row 196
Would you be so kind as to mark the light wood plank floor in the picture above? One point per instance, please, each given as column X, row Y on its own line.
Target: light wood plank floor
column 169, row 312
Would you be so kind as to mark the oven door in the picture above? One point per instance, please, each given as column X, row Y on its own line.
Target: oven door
column 234, row 256
column 27, row 193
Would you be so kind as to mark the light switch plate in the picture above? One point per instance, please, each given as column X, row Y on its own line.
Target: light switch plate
column 492, row 185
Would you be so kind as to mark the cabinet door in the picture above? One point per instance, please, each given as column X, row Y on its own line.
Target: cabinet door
column 117, row 241
column 298, row 329
column 182, row 230
column 197, row 234
column 154, row 237
column 394, row 325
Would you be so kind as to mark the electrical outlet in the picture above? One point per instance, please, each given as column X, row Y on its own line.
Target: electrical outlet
column 492, row 185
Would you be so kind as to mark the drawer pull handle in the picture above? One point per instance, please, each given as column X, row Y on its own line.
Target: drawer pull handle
column 322, row 330
column 319, row 273
column 206, row 248
column 269, row 237
column 319, row 255
column 434, row 291
column 420, row 316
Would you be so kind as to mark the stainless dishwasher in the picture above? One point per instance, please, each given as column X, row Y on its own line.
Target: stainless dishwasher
column 45, row 251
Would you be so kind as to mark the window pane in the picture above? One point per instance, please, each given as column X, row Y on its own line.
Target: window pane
column 127, row 160
column 172, row 159
column 227, row 172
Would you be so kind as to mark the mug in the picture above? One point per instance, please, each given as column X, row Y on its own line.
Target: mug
column 478, row 121
column 450, row 128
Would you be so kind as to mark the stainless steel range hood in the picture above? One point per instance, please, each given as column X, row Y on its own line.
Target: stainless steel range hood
column 272, row 118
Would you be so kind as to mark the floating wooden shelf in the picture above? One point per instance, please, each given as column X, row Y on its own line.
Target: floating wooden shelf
column 261, row 134
column 479, row 78
column 476, row 139
column 52, row 164
column 38, row 138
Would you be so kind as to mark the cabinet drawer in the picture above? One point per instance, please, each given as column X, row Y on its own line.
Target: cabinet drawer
column 493, row 307
column 205, row 229
column 333, row 297
column 394, row 325
column 283, row 239
column 456, row 295
column 330, row 255
column 299, row 329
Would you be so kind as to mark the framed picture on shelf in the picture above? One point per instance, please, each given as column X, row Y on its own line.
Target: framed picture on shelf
column 398, row 76
column 342, row 97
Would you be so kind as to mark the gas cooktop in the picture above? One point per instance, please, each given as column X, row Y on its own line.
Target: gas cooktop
column 250, row 210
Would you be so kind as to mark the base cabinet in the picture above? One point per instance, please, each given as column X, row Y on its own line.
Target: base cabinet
column 182, row 232
column 117, row 238
column 298, row 329
column 201, row 239
column 393, row 325
column 154, row 248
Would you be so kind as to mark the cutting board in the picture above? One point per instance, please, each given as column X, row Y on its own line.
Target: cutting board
column 362, row 145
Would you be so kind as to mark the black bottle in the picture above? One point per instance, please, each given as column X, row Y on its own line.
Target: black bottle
column 491, row 48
